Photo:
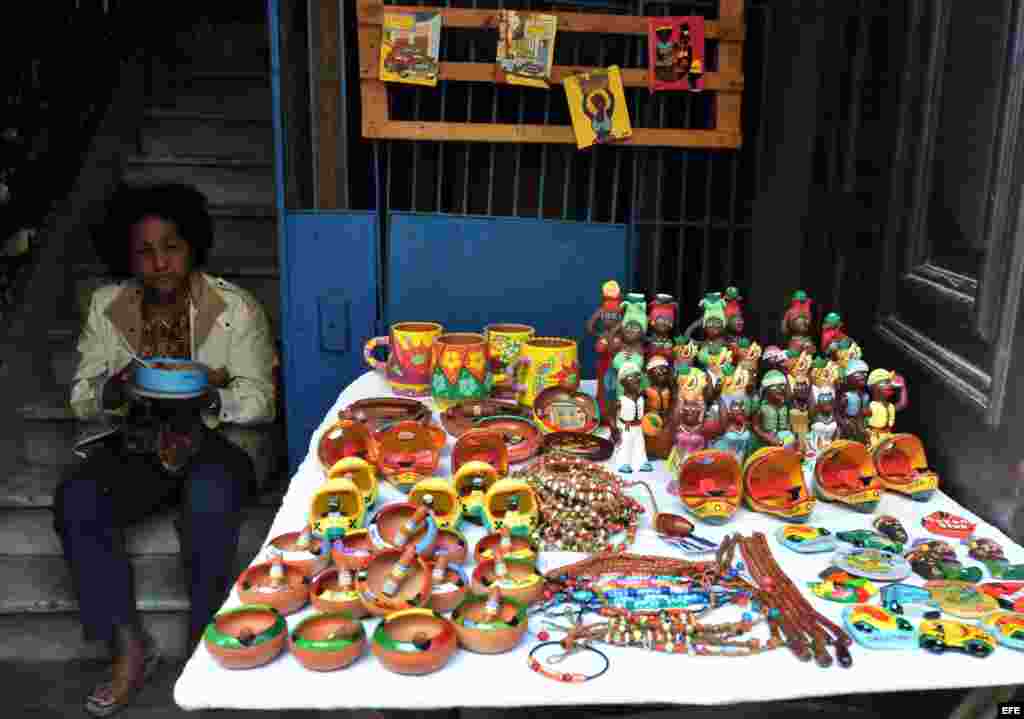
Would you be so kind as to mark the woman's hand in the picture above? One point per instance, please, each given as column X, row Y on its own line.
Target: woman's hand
column 219, row 377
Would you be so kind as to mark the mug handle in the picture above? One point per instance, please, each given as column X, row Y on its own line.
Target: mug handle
column 514, row 372
column 370, row 346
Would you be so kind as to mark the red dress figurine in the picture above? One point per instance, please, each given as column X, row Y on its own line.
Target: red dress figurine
column 831, row 331
column 734, row 322
column 661, row 314
column 796, row 324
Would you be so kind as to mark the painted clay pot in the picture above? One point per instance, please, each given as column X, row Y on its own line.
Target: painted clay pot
column 557, row 409
column 511, row 503
column 414, row 641
column 485, row 633
column 521, row 436
column 246, row 637
column 466, row 415
column 504, row 347
column 439, row 496
column 309, row 559
column 471, row 484
column 481, row 445
column 773, row 483
column 377, row 413
column 412, row 588
column 460, row 369
column 337, row 507
column 577, row 444
column 327, row 594
column 345, row 438
column 449, row 592
column 354, row 550
column 361, row 473
column 710, row 485
column 546, row 362
column 521, row 582
column 520, row 547
column 408, row 452
column 451, row 543
column 326, row 642
column 903, row 467
column 390, row 528
column 255, row 586
column 411, row 359
column 844, row 473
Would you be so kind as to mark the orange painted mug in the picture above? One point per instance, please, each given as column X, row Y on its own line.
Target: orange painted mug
column 410, row 362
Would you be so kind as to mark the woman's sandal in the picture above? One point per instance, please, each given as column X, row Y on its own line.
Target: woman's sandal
column 97, row 706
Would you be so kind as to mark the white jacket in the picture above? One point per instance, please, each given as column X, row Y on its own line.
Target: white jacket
column 229, row 329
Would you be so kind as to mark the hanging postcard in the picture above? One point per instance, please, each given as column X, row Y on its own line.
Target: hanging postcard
column 597, row 105
column 675, row 53
column 410, row 48
column 526, row 48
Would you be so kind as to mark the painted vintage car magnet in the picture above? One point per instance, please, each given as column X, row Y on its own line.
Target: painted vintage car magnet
column 804, row 539
column 876, row 628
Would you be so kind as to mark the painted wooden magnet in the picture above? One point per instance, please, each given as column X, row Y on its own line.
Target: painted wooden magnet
column 939, row 635
column 440, row 497
column 773, row 483
column 327, row 642
column 676, row 53
column 910, row 600
column 990, row 553
column 961, row 599
column 246, row 637
column 875, row 628
column 936, row 559
column 865, row 538
column 1007, row 627
column 491, row 623
column 892, row 528
column 1010, row 595
column 872, row 564
column 845, row 473
column 903, row 467
column 805, row 539
column 839, row 586
column 948, row 525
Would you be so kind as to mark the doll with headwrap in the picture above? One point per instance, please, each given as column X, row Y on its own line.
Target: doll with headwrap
column 627, row 431
column 602, row 322
column 661, row 315
column 881, row 418
column 736, row 435
column 843, row 351
column 823, row 426
column 747, row 354
column 627, row 344
column 798, row 372
column 854, row 402
column 831, row 331
column 771, row 424
column 796, row 324
column 660, row 398
column 691, row 427
column 737, row 384
column 714, row 352
column 734, row 320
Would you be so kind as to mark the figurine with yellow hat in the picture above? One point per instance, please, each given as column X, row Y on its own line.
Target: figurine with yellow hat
column 602, row 322
column 690, row 424
column 771, row 424
column 883, row 384
column 627, row 431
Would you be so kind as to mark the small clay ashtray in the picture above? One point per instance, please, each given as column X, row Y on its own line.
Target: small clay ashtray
column 521, row 582
column 345, row 438
column 327, row 595
column 378, row 412
column 481, row 445
column 414, row 641
column 326, row 642
column 255, row 586
column 494, row 634
column 448, row 594
column 409, row 449
column 308, row 559
column 452, row 544
column 246, row 637
column 354, row 550
column 576, row 444
column 522, row 438
column 386, row 528
column 466, row 415
column 557, row 409
column 521, row 548
column 413, row 589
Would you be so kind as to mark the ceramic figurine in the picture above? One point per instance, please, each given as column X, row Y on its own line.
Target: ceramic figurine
column 804, row 539
column 872, row 564
column 939, row 635
column 854, row 403
column 334, row 590
column 629, row 411
column 1010, row 595
column 771, row 424
column 891, row 527
column 882, row 411
column 844, row 351
column 302, row 550
column 747, row 354
column 481, row 445
column 662, row 319
column 361, row 473
column 690, row 426
column 627, row 345
column 961, row 599
column 909, row 600
column 736, row 437
column 400, row 523
column 395, row 579
column 1007, row 627
column 327, row 642
column 660, row 398
column 517, row 578
column 844, row 473
column 831, row 331
column 711, row 485
column 414, row 641
column 773, row 358
column 936, row 559
column 875, row 628
column 714, row 355
column 734, row 320
column 684, row 352
column 796, row 324
column 511, row 503
column 490, row 624
column 558, row 409
column 865, row 538
column 440, row 497
column 842, row 587
column 353, row 551
column 246, row 637
column 903, row 467
column 472, row 481
column 601, row 324
column 408, row 452
column 773, row 483
column 337, row 507
column 276, row 583
column 449, row 585
column 345, row 438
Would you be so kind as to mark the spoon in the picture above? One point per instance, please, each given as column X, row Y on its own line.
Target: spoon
column 675, row 529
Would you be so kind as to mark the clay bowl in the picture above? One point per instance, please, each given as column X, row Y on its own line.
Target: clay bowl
column 354, row 550
column 558, row 409
column 415, row 641
column 522, row 582
column 465, row 415
column 327, row 596
column 451, row 543
column 375, row 412
column 480, row 445
column 522, row 548
column 452, row 591
column 326, row 642
column 386, row 523
column 522, row 438
column 413, row 592
column 345, row 438
column 262, row 630
column 577, row 444
column 308, row 560
column 287, row 599
column 490, row 636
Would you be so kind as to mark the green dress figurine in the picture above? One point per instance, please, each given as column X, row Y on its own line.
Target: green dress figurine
column 771, row 422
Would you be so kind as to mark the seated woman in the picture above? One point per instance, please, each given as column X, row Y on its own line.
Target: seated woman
column 167, row 451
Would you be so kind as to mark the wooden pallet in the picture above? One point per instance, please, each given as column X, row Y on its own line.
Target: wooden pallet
column 726, row 84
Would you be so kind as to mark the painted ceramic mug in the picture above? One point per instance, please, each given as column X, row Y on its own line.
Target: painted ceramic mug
column 460, row 369
column 410, row 360
column 546, row 362
column 504, row 347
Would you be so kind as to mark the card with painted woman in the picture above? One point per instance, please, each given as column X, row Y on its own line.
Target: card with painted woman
column 597, row 105
column 675, row 48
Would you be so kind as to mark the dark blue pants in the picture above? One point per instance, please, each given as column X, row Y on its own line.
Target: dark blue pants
column 112, row 489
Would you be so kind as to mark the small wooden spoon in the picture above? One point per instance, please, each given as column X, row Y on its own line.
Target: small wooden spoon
column 674, row 528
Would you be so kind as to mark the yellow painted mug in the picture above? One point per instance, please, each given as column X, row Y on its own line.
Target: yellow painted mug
column 546, row 362
column 410, row 362
column 504, row 347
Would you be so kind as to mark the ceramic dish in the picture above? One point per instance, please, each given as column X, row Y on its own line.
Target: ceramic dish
column 447, row 591
column 412, row 585
column 245, row 637
column 415, row 641
column 326, row 642
column 480, row 445
column 255, row 586
column 163, row 396
column 521, row 581
column 172, row 376
column 308, row 559
column 451, row 543
column 467, row 414
column 522, row 438
column 378, row 412
column 585, row 446
column 520, row 547
column 484, row 633
column 354, row 550
column 390, row 528
column 328, row 594
column 558, row 409
column 345, row 438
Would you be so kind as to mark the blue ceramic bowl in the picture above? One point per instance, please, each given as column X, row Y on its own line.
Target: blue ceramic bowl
column 172, row 376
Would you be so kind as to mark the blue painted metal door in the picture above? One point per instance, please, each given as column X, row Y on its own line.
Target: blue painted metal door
column 466, row 272
column 330, row 284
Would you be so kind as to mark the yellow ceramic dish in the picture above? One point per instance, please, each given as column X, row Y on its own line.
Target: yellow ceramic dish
column 903, row 467
column 361, row 473
column 511, row 503
column 845, row 473
column 773, row 483
column 471, row 484
column 440, row 498
column 331, row 524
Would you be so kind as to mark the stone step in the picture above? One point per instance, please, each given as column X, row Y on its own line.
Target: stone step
column 207, row 135
column 30, row 532
column 223, row 181
column 237, row 96
column 57, row 637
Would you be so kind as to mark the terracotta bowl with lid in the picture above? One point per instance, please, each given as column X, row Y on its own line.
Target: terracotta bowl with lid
column 450, row 592
column 354, row 550
column 485, row 634
column 414, row 641
column 328, row 595
column 255, row 586
column 522, row 582
column 246, row 637
column 386, row 528
column 413, row 589
column 465, row 415
column 378, row 412
column 308, row 559
column 451, row 543
column 522, row 547
column 327, row 642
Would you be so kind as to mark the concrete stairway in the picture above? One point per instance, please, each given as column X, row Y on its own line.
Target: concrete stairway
column 207, row 123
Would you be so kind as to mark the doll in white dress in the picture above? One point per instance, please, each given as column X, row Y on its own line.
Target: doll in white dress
column 629, row 412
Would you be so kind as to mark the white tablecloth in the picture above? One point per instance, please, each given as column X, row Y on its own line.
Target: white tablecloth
column 636, row 676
